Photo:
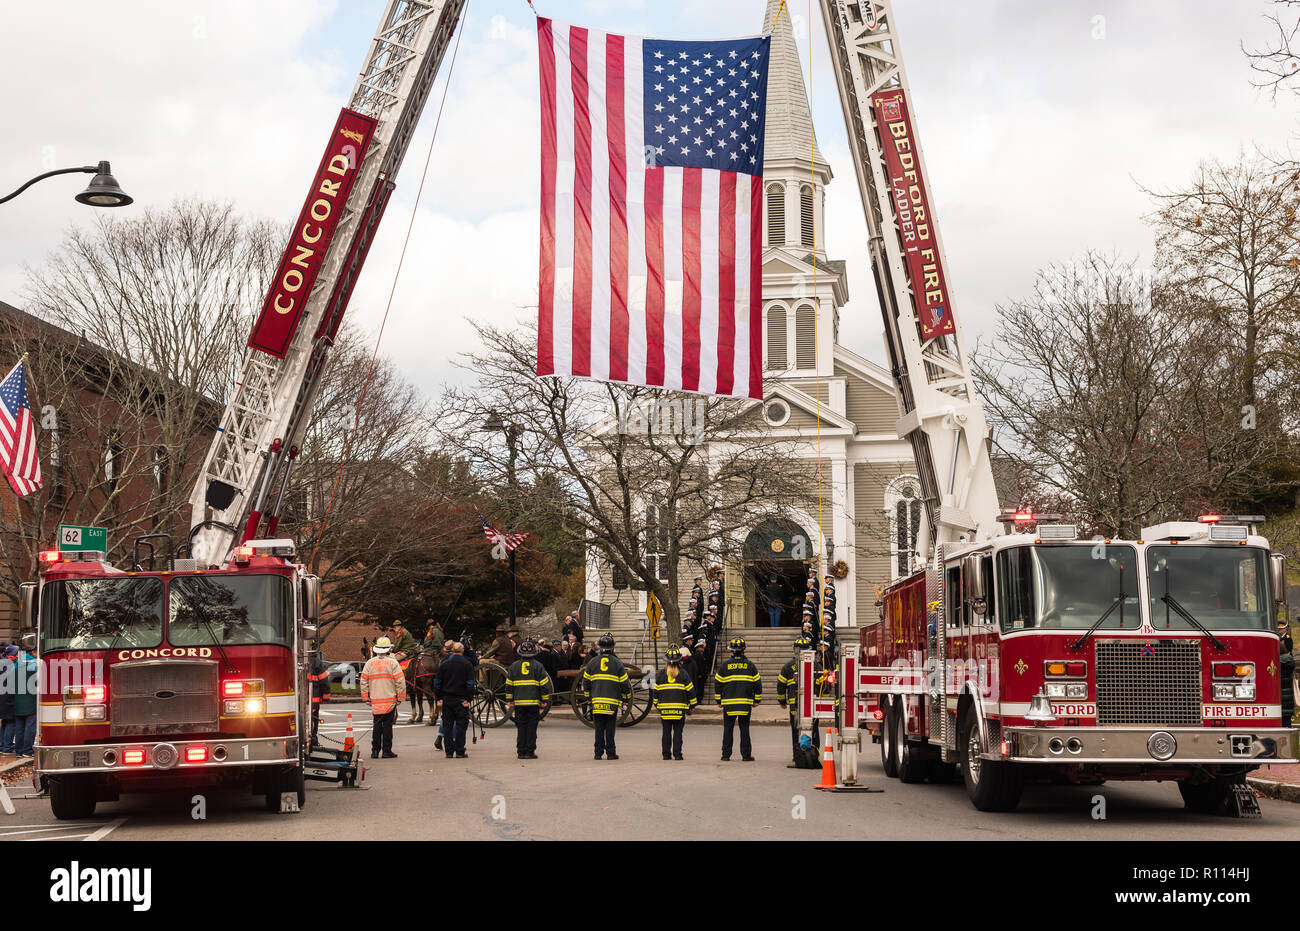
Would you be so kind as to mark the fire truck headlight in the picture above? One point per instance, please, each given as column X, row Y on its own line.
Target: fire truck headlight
column 74, row 713
column 1076, row 690
column 254, row 706
column 1056, row 689
column 1245, row 692
column 96, row 712
column 1224, row 691
column 232, row 706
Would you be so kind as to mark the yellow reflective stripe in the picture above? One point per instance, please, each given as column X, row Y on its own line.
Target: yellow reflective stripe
column 606, row 677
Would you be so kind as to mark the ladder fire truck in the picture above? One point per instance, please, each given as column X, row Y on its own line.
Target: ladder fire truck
column 1029, row 655
column 194, row 671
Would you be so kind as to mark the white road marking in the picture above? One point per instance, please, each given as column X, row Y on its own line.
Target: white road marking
column 64, row 830
column 107, row 829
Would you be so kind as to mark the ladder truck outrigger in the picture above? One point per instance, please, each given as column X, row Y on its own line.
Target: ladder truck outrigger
column 1029, row 654
column 192, row 671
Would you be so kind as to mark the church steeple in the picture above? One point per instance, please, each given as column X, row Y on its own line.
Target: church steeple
column 789, row 118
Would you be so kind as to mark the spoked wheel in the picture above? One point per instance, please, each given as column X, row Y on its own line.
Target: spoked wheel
column 992, row 785
column 546, row 704
column 634, row 711
column 488, row 708
column 581, row 705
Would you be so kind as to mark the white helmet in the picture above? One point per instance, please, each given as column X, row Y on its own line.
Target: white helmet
column 382, row 646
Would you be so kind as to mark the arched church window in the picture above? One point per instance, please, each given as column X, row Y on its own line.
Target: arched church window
column 903, row 508
column 807, row 234
column 776, row 351
column 776, row 215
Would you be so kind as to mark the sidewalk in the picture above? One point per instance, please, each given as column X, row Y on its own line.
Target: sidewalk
column 1279, row 782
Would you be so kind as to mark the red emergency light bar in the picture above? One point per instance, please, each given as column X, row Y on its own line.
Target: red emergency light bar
column 50, row 557
column 1210, row 518
column 1027, row 516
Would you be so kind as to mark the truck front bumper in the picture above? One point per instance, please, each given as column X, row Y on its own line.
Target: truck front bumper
column 160, row 756
column 1148, row 745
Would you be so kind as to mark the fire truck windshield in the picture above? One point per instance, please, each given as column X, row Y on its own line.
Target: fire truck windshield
column 101, row 614
column 226, row 609
column 1223, row 587
column 1066, row 587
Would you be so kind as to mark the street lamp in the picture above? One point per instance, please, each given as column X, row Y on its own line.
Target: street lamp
column 102, row 191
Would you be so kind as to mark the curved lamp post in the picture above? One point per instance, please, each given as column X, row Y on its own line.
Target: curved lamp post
column 101, row 192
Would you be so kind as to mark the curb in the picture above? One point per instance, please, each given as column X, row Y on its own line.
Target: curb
column 1269, row 788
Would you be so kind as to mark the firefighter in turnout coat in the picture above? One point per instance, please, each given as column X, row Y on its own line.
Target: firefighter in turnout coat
column 739, row 688
column 605, row 683
column 787, row 693
column 674, row 697
column 527, row 686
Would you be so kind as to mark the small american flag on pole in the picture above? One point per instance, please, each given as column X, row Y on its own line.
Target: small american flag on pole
column 510, row 541
column 18, row 453
column 652, row 205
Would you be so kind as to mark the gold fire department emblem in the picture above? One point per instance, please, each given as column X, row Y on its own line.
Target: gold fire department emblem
column 1272, row 668
column 1020, row 666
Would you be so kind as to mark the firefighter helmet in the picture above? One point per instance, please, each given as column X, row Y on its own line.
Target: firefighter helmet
column 803, row 643
column 528, row 649
column 605, row 643
column 737, row 645
column 382, row 646
column 673, row 655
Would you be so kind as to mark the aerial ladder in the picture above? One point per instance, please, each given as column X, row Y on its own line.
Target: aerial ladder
column 241, row 487
column 942, row 416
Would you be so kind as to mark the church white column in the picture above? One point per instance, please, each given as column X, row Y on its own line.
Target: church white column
column 841, row 534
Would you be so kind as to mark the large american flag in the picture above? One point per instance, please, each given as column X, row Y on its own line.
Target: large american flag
column 652, row 206
column 18, row 453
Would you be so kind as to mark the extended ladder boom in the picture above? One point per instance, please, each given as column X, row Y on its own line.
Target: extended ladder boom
column 942, row 416
column 248, row 465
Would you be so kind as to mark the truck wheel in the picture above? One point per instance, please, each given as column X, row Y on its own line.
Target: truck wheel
column 1208, row 798
column 72, row 797
column 889, row 742
column 991, row 785
column 913, row 766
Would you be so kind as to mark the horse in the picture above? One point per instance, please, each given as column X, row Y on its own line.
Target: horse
column 419, row 669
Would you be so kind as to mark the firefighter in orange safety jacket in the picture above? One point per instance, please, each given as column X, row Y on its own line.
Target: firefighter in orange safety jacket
column 739, row 688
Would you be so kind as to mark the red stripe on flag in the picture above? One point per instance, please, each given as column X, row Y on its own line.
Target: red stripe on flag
column 618, row 281
column 755, row 287
column 692, row 182
column 546, row 275
column 654, row 259
column 581, row 204
column 726, row 282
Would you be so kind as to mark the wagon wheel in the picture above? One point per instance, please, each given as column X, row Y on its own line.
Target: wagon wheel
column 489, row 705
column 546, row 703
column 581, row 707
column 639, row 706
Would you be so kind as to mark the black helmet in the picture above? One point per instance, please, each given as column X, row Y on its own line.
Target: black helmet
column 528, row 649
column 605, row 643
column 803, row 643
column 673, row 655
column 737, row 645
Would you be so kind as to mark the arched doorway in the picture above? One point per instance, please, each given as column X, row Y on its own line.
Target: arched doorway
column 776, row 557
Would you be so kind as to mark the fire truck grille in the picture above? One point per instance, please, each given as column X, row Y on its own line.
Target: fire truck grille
column 1156, row 682
column 163, row 697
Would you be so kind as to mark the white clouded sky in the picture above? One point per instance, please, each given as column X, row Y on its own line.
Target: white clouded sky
column 1036, row 133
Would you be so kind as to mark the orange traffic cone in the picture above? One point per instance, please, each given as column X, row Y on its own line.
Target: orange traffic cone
column 828, row 764
column 347, row 741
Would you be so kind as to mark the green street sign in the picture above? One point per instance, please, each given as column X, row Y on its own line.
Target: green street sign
column 80, row 539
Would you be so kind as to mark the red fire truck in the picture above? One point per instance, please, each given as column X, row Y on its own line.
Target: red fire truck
column 195, row 671
column 1027, row 655
column 172, row 677
column 1041, row 656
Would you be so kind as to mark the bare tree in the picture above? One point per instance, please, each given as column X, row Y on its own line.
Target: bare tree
column 1228, row 241
column 173, row 291
column 1276, row 64
column 648, row 478
column 1106, row 395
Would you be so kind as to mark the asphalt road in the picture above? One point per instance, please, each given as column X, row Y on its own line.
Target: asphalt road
column 567, row 795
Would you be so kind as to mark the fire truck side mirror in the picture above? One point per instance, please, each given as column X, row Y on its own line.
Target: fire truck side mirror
column 973, row 578
column 311, row 599
column 1279, row 578
column 27, row 604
